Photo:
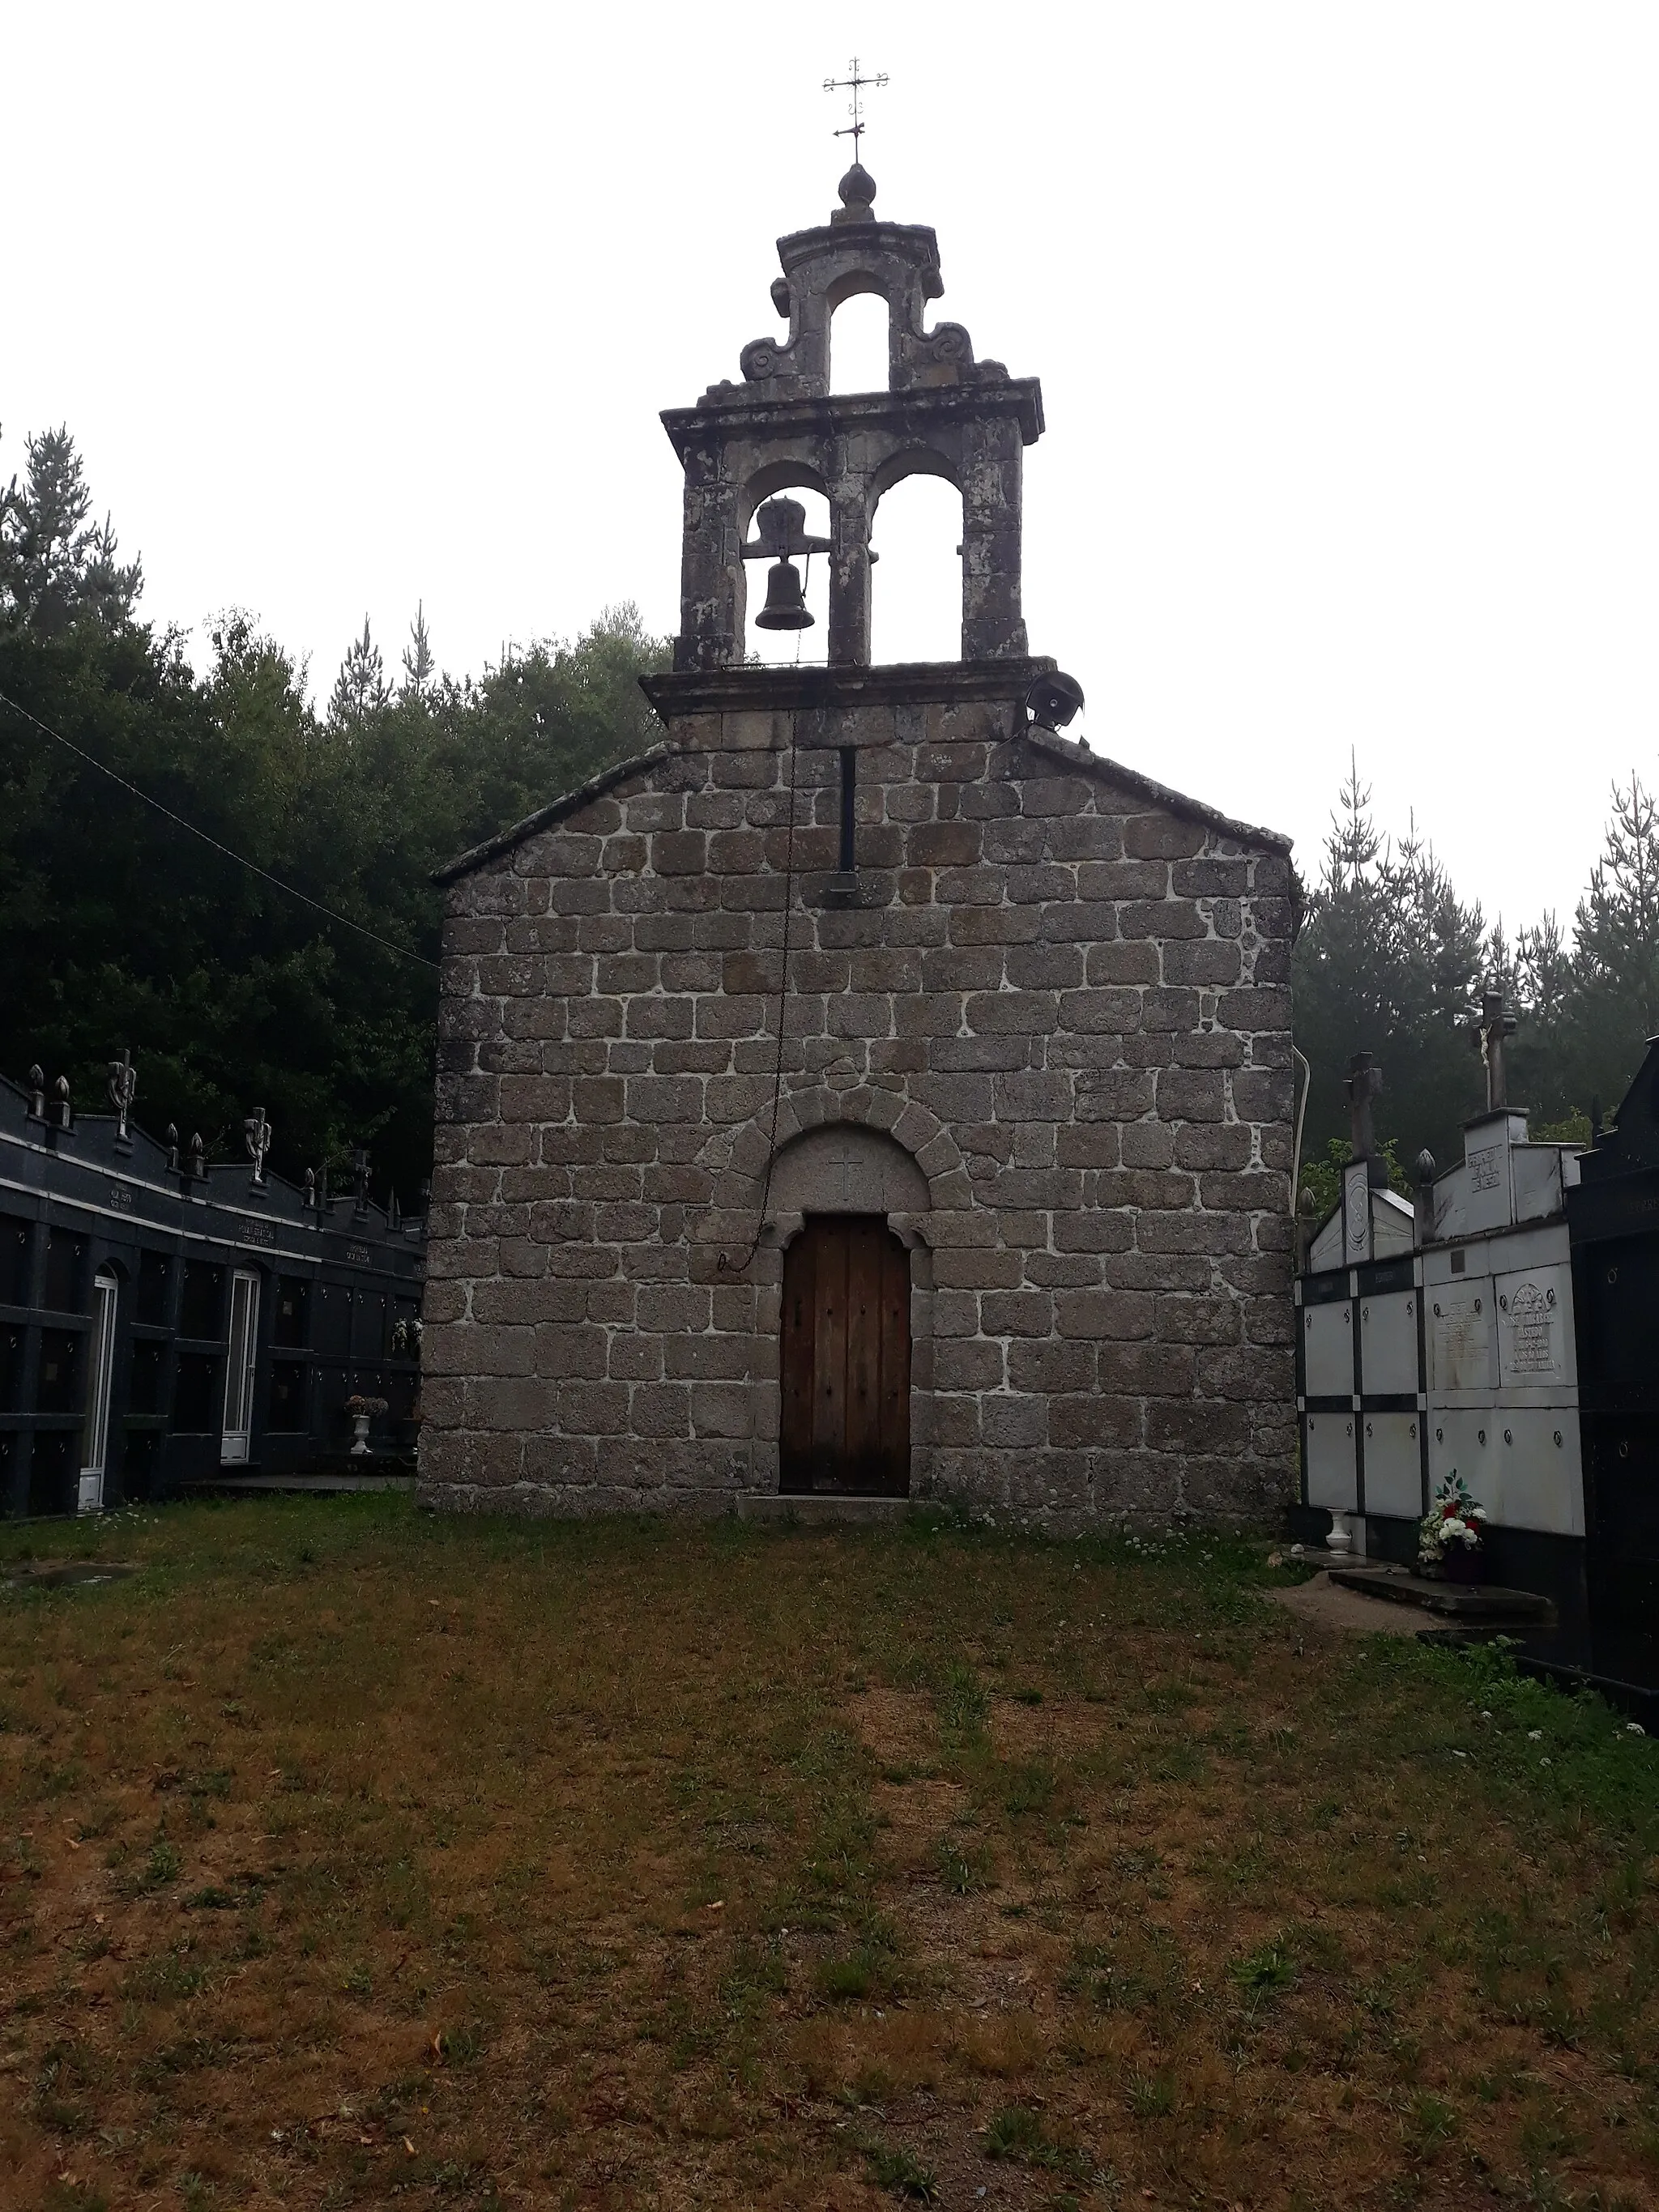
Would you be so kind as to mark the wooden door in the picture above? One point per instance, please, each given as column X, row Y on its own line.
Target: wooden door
column 846, row 1357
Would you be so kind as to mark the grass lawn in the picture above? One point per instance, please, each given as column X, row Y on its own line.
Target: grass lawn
column 352, row 1856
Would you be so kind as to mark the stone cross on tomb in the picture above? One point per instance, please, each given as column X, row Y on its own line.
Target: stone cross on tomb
column 256, row 1135
column 123, row 1090
column 1364, row 1081
column 1487, row 1031
column 855, row 82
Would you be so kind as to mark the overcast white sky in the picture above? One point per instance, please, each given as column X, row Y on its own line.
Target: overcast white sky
column 1346, row 319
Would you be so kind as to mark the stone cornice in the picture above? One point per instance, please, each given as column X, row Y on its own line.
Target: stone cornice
column 737, row 410
column 899, row 683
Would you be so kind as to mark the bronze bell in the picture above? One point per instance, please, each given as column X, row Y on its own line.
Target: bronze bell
column 785, row 604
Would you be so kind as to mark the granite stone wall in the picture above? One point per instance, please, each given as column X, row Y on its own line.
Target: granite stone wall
column 1061, row 994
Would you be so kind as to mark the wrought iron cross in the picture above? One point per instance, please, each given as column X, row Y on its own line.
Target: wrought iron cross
column 855, row 82
column 257, row 1135
column 1487, row 1032
column 1364, row 1081
column 123, row 1090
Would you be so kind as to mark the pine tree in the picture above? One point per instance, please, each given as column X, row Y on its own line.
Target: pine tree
column 1388, row 962
column 361, row 688
column 419, row 666
column 1612, row 1005
column 54, row 568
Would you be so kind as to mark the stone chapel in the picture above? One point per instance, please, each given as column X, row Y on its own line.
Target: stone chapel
column 867, row 1092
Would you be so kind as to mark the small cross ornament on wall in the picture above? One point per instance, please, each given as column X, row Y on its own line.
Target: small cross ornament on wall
column 856, row 83
column 1487, row 1031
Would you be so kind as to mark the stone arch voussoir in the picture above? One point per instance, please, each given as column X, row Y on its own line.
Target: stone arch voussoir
column 914, row 1127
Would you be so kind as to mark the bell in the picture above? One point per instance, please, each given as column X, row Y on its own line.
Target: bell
column 785, row 608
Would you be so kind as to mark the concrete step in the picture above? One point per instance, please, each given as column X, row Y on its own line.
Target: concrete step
column 1469, row 1601
column 818, row 1509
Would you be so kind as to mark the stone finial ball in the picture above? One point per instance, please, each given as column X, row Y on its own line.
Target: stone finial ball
column 858, row 187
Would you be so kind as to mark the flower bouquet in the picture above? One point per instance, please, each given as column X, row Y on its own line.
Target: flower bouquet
column 1450, row 1538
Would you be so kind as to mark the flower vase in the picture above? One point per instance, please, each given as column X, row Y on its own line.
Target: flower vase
column 359, row 1436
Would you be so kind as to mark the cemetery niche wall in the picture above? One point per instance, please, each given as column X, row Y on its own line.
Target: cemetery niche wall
column 167, row 1322
column 869, row 1091
column 1438, row 1339
column 1499, row 1330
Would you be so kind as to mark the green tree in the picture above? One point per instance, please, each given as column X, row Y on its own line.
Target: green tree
column 55, row 566
column 361, row 688
column 1388, row 960
column 419, row 666
column 1589, row 1012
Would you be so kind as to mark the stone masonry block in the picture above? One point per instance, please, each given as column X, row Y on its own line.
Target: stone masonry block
column 1100, row 1315
column 1204, row 961
column 1191, row 1094
column 1163, row 837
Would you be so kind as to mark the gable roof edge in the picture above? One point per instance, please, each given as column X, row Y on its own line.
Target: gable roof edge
column 1076, row 756
column 1061, row 749
column 544, row 817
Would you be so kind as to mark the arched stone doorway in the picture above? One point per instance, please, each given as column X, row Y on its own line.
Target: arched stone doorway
column 845, row 1359
column 848, row 1204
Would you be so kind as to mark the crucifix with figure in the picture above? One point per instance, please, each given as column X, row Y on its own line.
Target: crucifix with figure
column 257, row 1135
column 856, row 83
column 1487, row 1031
column 123, row 1090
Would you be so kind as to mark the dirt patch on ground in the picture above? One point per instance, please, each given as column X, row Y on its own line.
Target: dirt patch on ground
column 1056, row 1728
column 901, row 1727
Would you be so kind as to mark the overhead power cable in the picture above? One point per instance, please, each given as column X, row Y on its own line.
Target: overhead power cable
column 399, row 951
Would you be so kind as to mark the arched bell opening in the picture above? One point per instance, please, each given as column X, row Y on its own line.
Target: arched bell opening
column 786, row 569
column 916, row 588
column 860, row 324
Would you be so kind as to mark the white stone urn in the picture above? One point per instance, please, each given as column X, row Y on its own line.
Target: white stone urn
column 359, row 1436
column 1340, row 1539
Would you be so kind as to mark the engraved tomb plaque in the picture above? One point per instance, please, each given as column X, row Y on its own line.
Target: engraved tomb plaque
column 1531, row 1338
column 1461, row 1319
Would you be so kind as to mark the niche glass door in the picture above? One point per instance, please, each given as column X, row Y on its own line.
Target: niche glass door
column 94, row 1437
column 239, row 1368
